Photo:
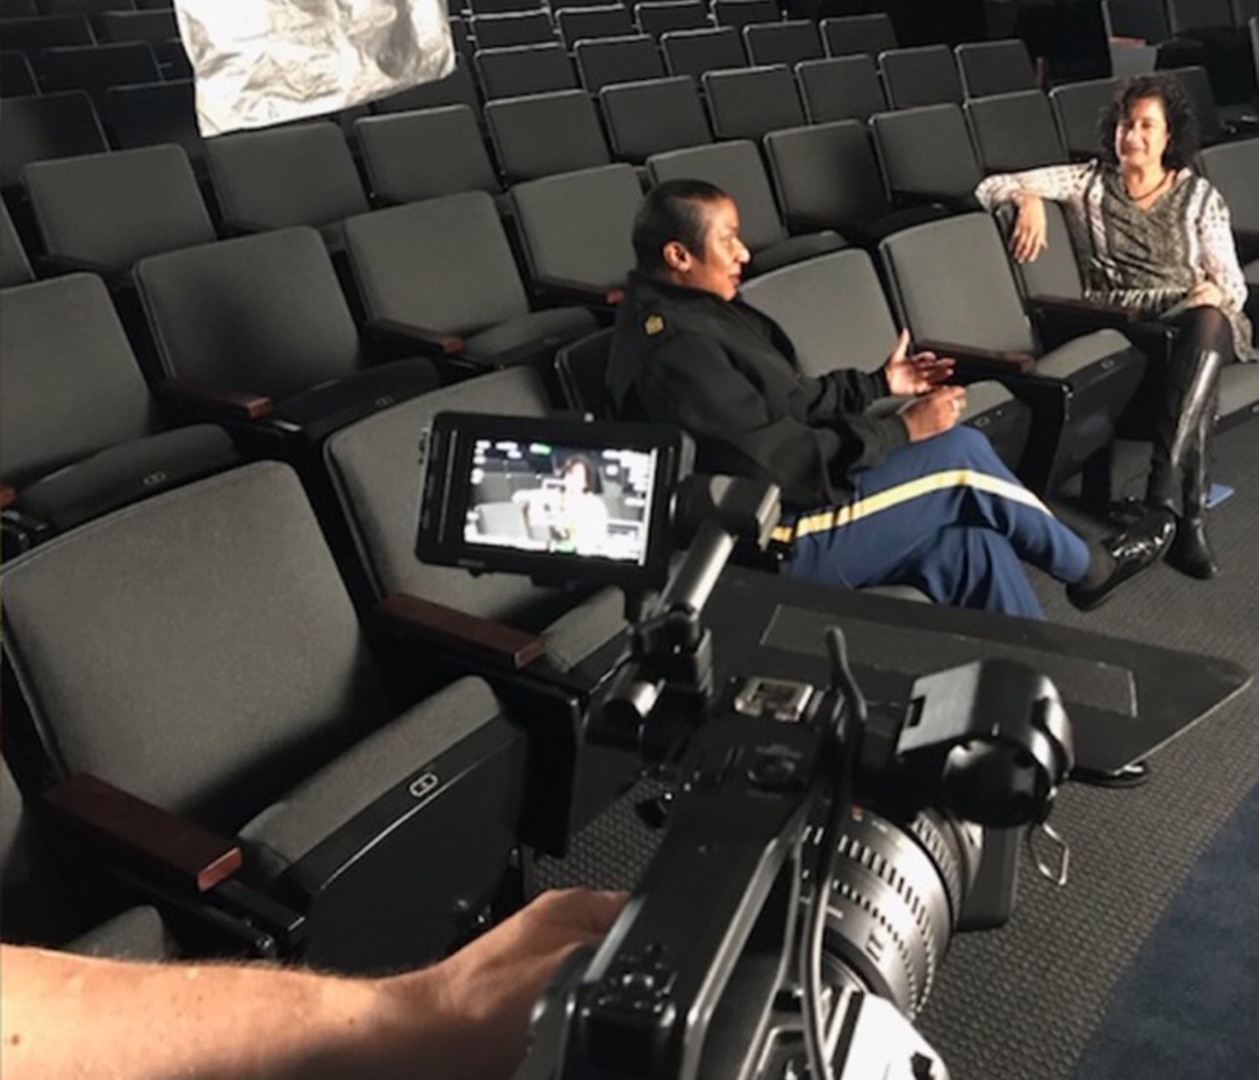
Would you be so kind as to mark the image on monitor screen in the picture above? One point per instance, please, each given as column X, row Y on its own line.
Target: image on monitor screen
column 579, row 501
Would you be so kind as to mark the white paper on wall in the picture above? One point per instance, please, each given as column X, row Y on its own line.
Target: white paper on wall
column 261, row 62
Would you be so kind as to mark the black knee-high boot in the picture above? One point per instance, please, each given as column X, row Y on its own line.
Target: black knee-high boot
column 1190, row 454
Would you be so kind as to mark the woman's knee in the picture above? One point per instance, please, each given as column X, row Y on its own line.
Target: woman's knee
column 1205, row 327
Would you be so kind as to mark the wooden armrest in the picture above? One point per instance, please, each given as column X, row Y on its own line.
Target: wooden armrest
column 1112, row 314
column 583, row 292
column 8, row 496
column 178, row 846
column 449, row 344
column 1010, row 363
column 497, row 643
column 237, row 404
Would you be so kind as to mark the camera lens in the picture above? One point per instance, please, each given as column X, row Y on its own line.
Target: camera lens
column 895, row 900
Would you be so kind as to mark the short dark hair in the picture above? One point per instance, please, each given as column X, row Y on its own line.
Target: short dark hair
column 594, row 479
column 1182, row 123
column 672, row 211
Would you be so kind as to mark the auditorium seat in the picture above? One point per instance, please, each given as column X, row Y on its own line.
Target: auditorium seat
column 995, row 67
column 736, row 168
column 255, row 331
column 741, row 13
column 523, row 69
column 1234, row 169
column 81, row 433
column 956, row 292
column 1077, row 109
column 46, row 127
column 835, row 312
column 575, row 232
column 746, row 103
column 825, row 176
column 501, row 7
column 154, row 27
column 273, row 178
column 582, row 367
column 924, row 75
column 543, row 134
column 373, row 466
column 782, row 42
column 457, row 88
column 927, row 156
column 513, row 28
column 607, row 20
column 439, row 276
column 246, row 704
column 840, row 88
column 1226, row 50
column 425, row 153
column 95, row 68
column 851, row 35
column 1013, row 132
column 653, row 116
column 657, row 19
column 17, row 78
column 156, row 113
column 603, row 61
column 105, row 212
column 30, row 35
column 693, row 52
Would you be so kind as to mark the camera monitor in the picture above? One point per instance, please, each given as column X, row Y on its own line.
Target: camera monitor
column 560, row 500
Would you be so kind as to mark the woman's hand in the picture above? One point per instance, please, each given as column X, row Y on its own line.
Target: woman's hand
column 1205, row 294
column 914, row 373
column 1030, row 234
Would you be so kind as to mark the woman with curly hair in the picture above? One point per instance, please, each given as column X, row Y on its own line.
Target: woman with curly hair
column 1152, row 235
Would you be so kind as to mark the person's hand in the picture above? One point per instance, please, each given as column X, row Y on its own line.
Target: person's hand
column 916, row 373
column 933, row 413
column 1029, row 236
column 486, row 991
column 1205, row 294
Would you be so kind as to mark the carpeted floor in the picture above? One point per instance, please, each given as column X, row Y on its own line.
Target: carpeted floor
column 1024, row 1002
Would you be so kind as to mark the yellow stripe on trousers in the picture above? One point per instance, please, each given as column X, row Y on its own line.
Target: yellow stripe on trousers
column 809, row 524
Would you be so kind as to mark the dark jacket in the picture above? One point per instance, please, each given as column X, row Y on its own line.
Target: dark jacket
column 727, row 375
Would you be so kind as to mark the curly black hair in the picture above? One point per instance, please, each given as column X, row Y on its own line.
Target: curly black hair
column 1182, row 124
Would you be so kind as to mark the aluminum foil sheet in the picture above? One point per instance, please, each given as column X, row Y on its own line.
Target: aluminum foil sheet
column 262, row 62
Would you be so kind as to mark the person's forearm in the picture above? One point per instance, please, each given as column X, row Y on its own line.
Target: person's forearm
column 83, row 1018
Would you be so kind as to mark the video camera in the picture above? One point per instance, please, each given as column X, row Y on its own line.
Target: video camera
column 803, row 823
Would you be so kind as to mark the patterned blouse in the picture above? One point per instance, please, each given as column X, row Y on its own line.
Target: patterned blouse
column 1147, row 259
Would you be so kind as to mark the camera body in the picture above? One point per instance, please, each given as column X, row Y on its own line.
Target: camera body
column 920, row 801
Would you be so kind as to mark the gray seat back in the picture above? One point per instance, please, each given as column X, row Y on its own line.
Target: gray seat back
column 197, row 649
column 1056, row 270
column 746, row 103
column 454, row 157
column 1234, row 169
column 1013, row 132
column 832, row 308
column 951, row 283
column 693, row 52
column 262, row 313
column 513, row 28
column 659, row 18
column 841, row 88
column 376, row 467
column 1077, row 108
column 46, row 127
column 583, row 367
column 156, row 113
column 71, row 383
column 602, row 61
column 826, row 175
column 525, row 69
column 924, row 75
column 605, row 20
column 654, row 116
column 736, row 168
column 995, row 67
column 851, row 35
column 543, row 134
column 741, row 13
column 443, row 264
column 277, row 177
column 94, row 68
column 113, row 209
column 1185, row 17
column 577, row 226
column 457, row 88
column 782, row 42
column 926, row 152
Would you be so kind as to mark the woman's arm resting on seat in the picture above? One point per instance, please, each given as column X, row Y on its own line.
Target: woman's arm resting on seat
column 465, row 1018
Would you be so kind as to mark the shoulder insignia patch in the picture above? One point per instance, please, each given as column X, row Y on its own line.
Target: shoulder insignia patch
column 653, row 324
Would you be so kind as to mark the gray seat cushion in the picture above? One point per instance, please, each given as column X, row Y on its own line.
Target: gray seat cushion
column 535, row 335
column 317, row 807
column 1082, row 352
column 797, row 249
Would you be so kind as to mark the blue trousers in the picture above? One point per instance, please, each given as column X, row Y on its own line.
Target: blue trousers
column 946, row 516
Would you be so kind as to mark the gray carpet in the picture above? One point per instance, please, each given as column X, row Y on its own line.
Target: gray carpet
column 1023, row 1002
